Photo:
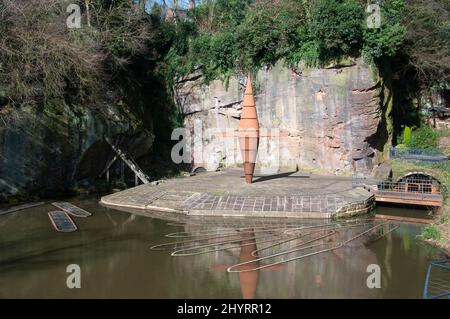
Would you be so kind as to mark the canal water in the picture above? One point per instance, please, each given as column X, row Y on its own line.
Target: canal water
column 112, row 249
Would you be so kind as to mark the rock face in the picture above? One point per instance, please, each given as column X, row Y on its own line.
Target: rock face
column 337, row 119
column 48, row 152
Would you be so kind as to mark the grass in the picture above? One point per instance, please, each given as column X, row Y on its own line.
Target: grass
column 445, row 149
column 445, row 217
column 431, row 231
column 438, row 233
column 444, row 133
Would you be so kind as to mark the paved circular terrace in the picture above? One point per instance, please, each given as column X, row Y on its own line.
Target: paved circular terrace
column 225, row 193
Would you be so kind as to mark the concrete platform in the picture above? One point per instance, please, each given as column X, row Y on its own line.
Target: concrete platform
column 226, row 194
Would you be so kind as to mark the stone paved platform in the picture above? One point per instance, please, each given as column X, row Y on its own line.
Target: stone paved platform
column 226, row 194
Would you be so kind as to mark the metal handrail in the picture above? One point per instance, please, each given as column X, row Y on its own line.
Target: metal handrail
column 421, row 187
column 439, row 264
column 421, row 154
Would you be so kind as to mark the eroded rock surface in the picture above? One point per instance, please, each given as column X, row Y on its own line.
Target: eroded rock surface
column 337, row 119
column 48, row 152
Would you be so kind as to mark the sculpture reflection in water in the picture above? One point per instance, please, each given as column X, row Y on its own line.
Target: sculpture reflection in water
column 272, row 247
column 248, row 280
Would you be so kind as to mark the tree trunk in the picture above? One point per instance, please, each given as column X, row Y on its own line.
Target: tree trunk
column 191, row 4
column 88, row 12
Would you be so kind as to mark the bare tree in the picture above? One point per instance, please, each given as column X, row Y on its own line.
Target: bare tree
column 87, row 4
column 40, row 58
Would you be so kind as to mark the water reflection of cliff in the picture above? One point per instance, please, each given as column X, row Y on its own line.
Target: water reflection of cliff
column 112, row 249
column 331, row 274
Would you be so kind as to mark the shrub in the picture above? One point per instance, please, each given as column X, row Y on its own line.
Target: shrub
column 423, row 137
column 337, row 26
column 445, row 218
column 386, row 41
column 247, row 34
column 406, row 135
column 41, row 59
column 431, row 231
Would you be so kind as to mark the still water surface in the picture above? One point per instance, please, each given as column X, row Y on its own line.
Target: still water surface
column 113, row 250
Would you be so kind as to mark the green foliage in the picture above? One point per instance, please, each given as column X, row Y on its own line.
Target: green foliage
column 337, row 27
column 445, row 218
column 406, row 135
column 235, row 36
column 229, row 13
column 427, row 40
column 423, row 137
column 431, row 231
column 257, row 40
column 389, row 38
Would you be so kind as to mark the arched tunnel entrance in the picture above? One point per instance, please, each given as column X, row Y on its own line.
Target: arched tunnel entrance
column 415, row 197
column 419, row 182
column 414, row 188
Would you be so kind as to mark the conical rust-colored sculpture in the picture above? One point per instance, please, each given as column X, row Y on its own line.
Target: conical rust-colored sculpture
column 249, row 132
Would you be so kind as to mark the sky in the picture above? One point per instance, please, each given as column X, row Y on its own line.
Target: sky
column 182, row 3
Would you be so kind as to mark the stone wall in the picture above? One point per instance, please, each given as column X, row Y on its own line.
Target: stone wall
column 47, row 152
column 337, row 118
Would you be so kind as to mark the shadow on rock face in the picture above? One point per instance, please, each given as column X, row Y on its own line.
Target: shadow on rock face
column 99, row 154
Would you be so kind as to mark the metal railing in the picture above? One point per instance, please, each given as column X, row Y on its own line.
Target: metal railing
column 437, row 281
column 419, row 154
column 420, row 189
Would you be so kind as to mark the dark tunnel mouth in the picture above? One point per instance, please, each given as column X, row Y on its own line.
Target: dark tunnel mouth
column 420, row 182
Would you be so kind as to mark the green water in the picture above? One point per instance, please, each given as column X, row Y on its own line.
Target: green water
column 112, row 250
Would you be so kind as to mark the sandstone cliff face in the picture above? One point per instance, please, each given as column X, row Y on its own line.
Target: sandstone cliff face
column 47, row 152
column 337, row 119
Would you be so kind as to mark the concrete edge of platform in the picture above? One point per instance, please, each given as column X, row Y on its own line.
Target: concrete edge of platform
column 268, row 214
column 109, row 203
column 350, row 209
column 166, row 209
column 358, row 208
column 222, row 213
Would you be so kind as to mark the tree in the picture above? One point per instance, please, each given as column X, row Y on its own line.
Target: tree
column 41, row 59
column 427, row 40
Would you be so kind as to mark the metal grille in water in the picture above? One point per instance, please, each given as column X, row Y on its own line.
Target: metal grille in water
column 437, row 283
